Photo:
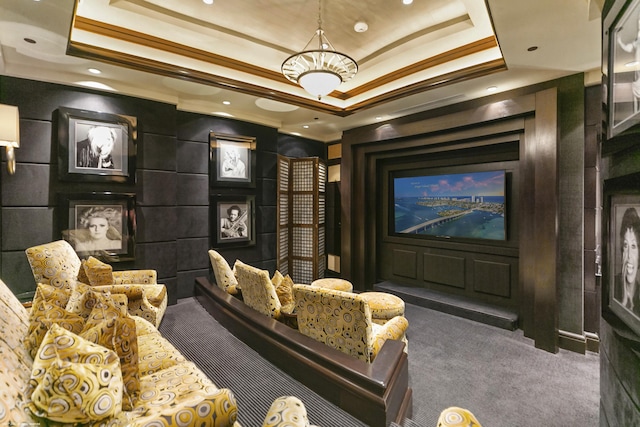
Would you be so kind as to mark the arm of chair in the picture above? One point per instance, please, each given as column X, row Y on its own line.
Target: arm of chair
column 394, row 329
column 146, row 301
column 138, row 277
column 286, row 411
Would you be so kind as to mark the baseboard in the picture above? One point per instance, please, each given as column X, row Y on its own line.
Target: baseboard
column 578, row 343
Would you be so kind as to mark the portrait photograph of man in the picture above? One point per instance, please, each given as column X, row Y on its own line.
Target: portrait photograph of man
column 98, row 146
column 233, row 221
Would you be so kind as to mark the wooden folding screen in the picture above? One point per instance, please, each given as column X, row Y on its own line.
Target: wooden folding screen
column 301, row 218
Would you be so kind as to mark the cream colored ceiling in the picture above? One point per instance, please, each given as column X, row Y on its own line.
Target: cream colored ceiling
column 412, row 57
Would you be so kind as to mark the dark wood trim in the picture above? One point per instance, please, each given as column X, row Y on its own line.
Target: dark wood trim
column 376, row 393
column 534, row 114
column 546, row 220
column 527, row 231
column 103, row 29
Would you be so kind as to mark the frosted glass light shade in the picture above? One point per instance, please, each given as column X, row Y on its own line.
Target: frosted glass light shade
column 319, row 83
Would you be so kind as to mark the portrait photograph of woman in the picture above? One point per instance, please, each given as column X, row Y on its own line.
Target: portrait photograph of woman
column 624, row 277
column 101, row 225
column 98, row 228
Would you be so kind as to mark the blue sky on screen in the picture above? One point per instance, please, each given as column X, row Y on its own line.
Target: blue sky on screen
column 463, row 184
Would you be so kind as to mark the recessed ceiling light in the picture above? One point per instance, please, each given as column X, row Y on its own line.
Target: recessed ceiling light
column 378, row 118
column 94, row 71
column 532, row 48
column 226, row 102
column 360, row 27
column 306, row 126
column 492, row 88
column 207, row 1
column 407, row 1
column 29, row 40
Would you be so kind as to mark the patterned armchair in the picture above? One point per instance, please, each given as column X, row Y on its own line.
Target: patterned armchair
column 258, row 291
column 58, row 265
column 342, row 320
column 225, row 279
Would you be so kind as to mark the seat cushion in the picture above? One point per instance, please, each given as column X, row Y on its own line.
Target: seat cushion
column 384, row 306
column 334, row 283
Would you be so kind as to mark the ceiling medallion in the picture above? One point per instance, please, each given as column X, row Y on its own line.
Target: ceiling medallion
column 319, row 71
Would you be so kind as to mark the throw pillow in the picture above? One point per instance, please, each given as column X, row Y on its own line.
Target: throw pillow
column 98, row 273
column 83, row 298
column 285, row 295
column 277, row 278
column 74, row 380
column 82, row 275
column 48, row 307
column 109, row 326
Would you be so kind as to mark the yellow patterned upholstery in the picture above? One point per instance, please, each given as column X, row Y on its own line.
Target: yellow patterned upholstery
column 225, row 279
column 58, row 265
column 384, row 306
column 171, row 390
column 286, row 411
column 284, row 290
column 97, row 272
column 74, row 380
column 457, row 417
column 257, row 290
column 334, row 283
column 342, row 320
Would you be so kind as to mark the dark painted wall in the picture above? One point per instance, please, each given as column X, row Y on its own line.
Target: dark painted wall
column 172, row 190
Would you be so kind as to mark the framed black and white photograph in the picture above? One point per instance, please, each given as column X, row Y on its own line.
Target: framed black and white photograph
column 101, row 225
column 622, row 218
column 621, row 66
column 96, row 147
column 233, row 221
column 233, row 160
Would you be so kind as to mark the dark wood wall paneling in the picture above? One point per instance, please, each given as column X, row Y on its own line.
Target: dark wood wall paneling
column 548, row 124
column 172, row 190
column 475, row 269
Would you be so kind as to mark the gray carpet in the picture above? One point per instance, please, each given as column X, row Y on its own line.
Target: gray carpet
column 229, row 363
column 497, row 374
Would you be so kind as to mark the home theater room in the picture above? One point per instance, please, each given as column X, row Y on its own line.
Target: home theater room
column 292, row 213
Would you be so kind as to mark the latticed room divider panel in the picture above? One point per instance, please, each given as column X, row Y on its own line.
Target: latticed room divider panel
column 301, row 218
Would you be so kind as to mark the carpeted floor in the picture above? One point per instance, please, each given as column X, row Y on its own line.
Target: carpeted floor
column 230, row 363
column 499, row 375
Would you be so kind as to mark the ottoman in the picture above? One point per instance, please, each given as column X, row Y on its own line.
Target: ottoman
column 383, row 306
column 332, row 283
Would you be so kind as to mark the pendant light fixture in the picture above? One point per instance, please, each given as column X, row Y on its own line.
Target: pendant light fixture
column 319, row 69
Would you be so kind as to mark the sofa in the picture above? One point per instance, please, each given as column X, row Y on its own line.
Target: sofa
column 57, row 264
column 114, row 370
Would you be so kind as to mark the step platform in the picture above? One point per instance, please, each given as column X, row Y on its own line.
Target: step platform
column 452, row 304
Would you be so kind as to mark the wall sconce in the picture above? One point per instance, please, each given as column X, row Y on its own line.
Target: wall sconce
column 10, row 134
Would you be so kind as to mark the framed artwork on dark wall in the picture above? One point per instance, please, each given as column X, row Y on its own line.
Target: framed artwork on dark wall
column 233, row 221
column 232, row 160
column 96, row 147
column 101, row 225
column 622, row 252
column 621, row 66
